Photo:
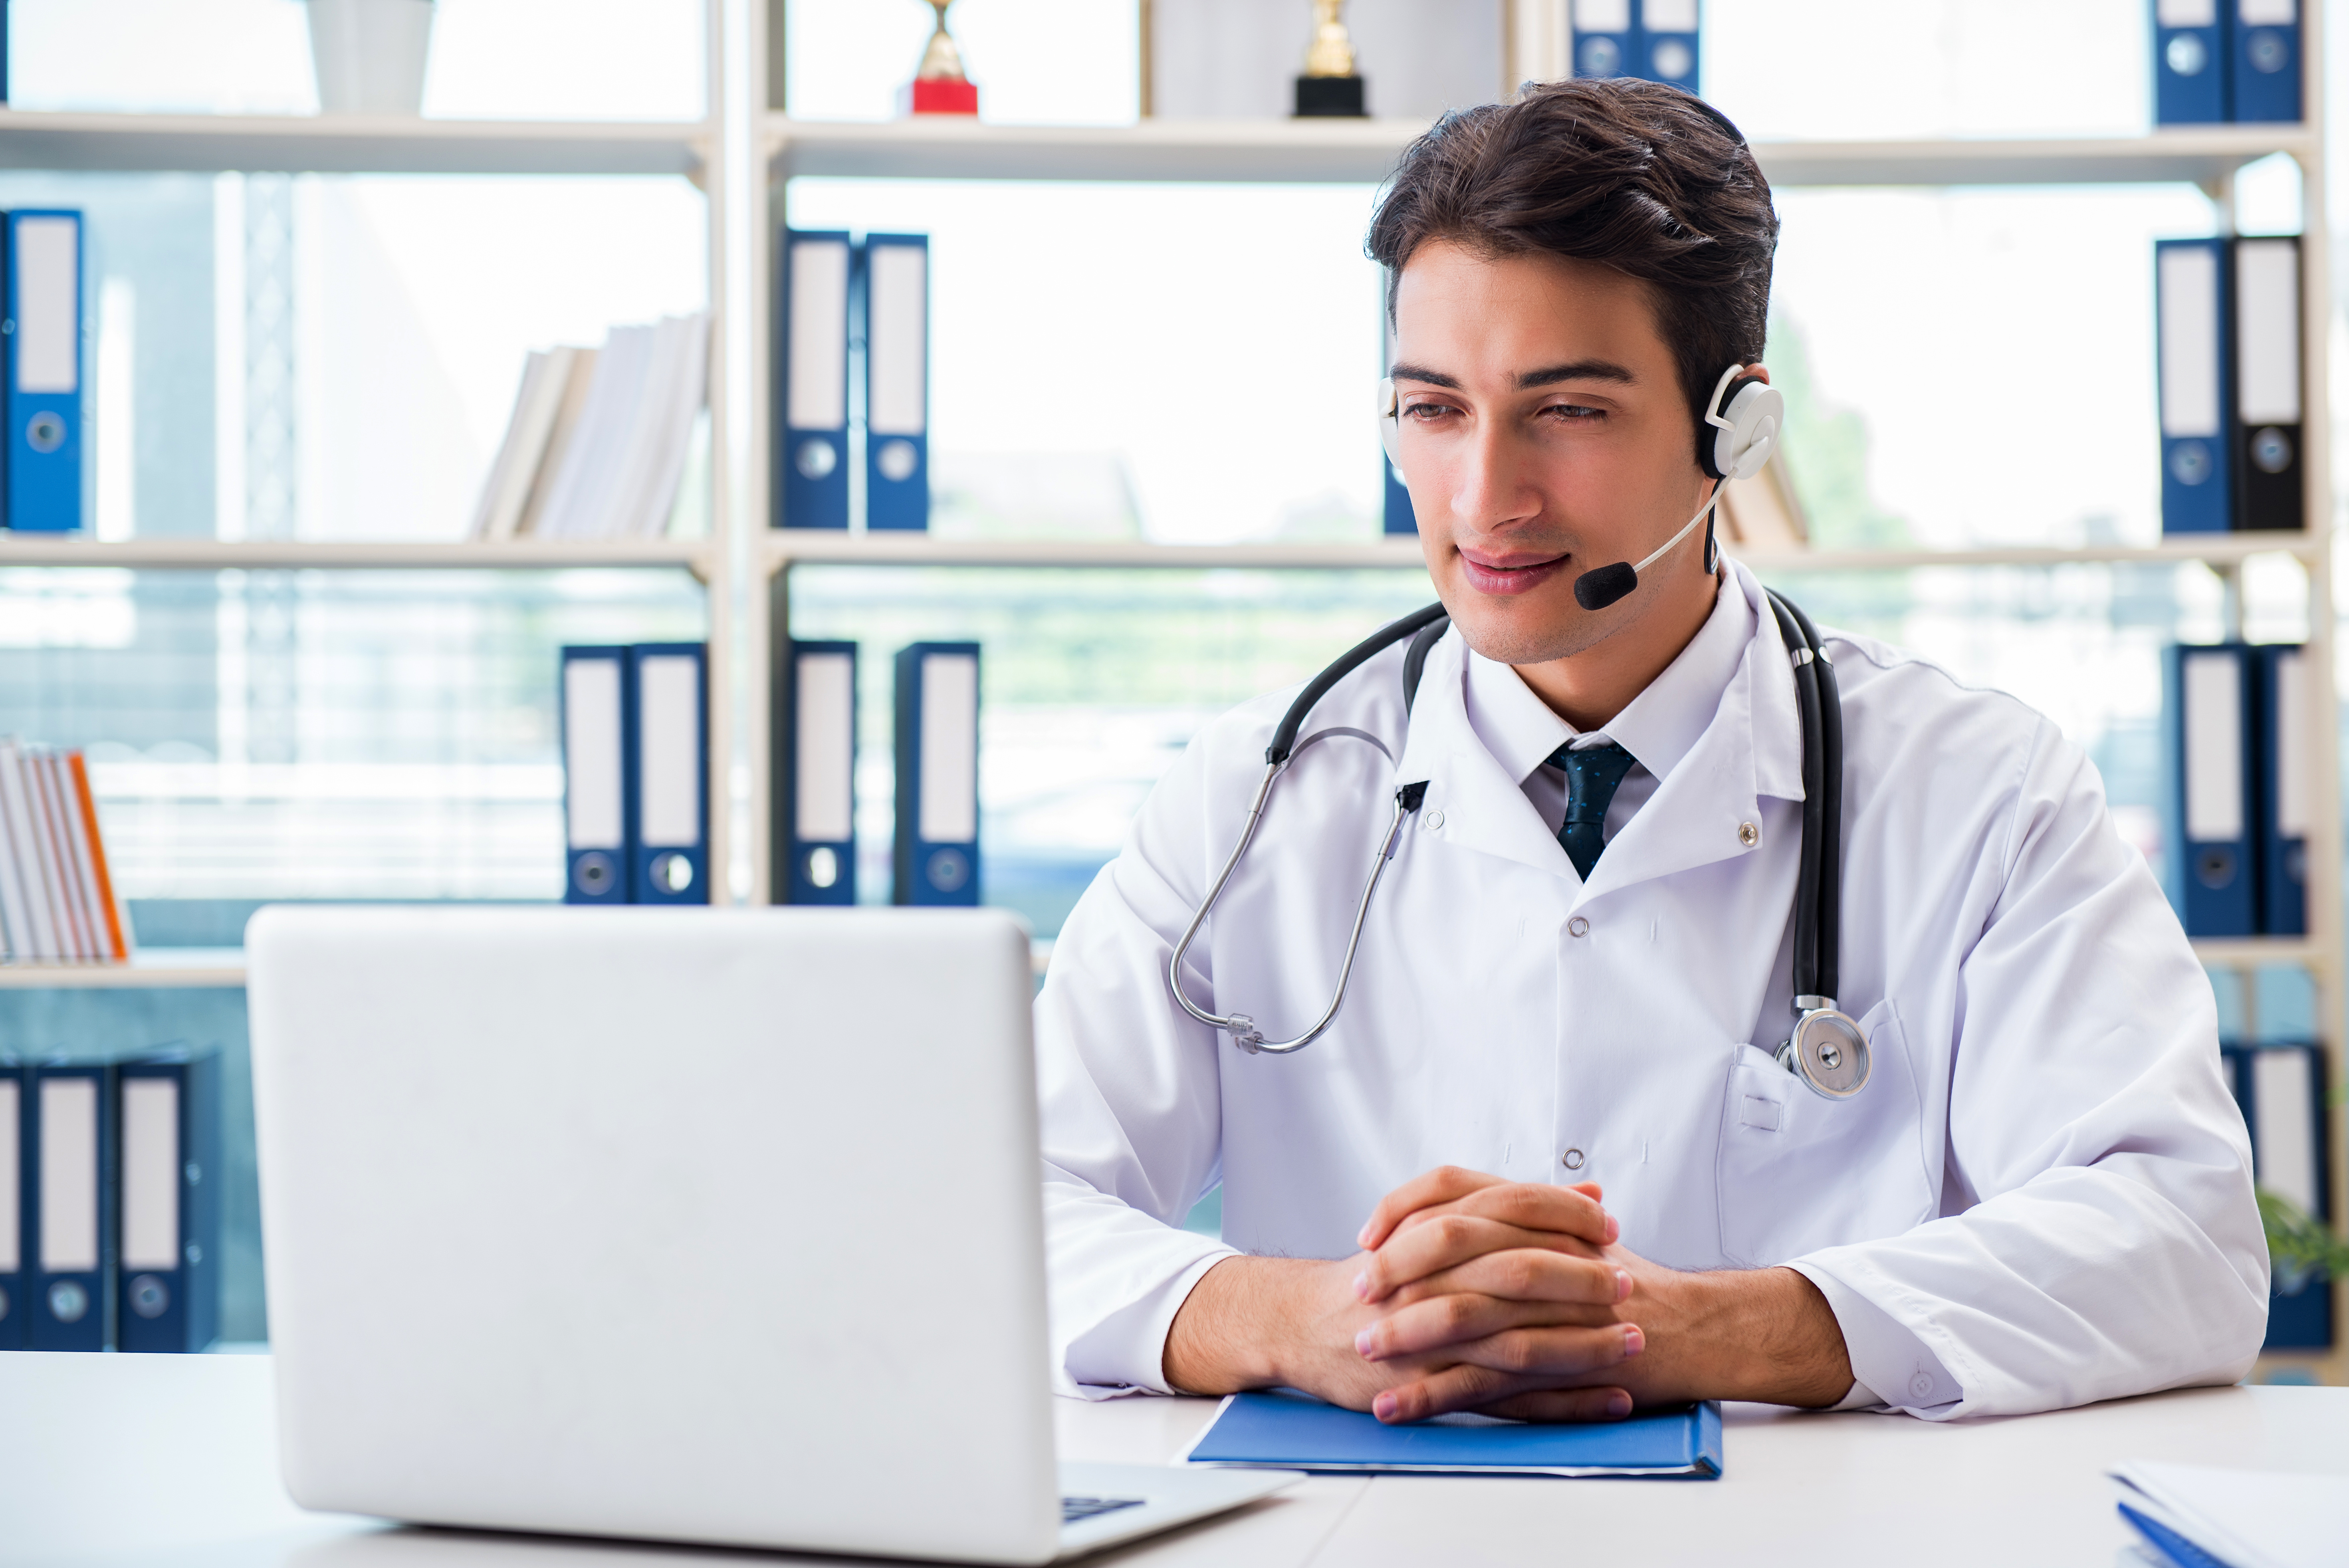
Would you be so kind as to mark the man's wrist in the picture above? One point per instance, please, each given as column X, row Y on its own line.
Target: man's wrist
column 1227, row 1335
column 1765, row 1335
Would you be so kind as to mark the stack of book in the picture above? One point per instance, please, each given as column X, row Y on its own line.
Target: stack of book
column 598, row 438
column 56, row 899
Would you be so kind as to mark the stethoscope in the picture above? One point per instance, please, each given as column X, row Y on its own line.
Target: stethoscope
column 1825, row 1049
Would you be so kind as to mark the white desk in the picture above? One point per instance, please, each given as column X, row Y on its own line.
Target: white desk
column 161, row 1461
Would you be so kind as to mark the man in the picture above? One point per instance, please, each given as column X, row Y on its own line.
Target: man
column 1545, row 1164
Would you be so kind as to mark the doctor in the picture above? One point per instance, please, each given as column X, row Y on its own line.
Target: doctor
column 1546, row 1163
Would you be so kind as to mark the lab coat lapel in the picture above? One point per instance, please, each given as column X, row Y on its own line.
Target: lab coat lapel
column 1752, row 749
column 1471, row 802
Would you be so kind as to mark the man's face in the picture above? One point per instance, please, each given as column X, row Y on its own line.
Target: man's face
column 1543, row 433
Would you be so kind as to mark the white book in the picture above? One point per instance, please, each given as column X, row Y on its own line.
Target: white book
column 576, row 380
column 506, row 490
column 633, row 458
column 81, row 839
column 17, row 807
column 581, row 502
column 665, row 425
column 65, row 884
column 15, row 919
column 2244, row 1518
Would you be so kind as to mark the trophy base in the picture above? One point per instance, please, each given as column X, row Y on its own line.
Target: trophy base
column 936, row 96
column 1332, row 97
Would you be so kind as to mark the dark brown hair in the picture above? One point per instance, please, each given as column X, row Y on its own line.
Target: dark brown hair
column 1638, row 176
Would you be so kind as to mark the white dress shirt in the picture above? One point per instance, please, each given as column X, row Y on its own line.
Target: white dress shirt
column 2043, row 1196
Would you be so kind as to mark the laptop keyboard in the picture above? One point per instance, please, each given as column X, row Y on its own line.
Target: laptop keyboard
column 1073, row 1508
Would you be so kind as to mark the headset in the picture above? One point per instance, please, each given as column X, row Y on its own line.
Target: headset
column 1739, row 432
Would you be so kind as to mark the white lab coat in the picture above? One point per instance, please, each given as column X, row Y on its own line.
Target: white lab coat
column 2042, row 1198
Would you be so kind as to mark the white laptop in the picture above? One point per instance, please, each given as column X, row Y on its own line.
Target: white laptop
column 701, row 1225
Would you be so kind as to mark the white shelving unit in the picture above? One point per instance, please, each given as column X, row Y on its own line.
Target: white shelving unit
column 743, row 154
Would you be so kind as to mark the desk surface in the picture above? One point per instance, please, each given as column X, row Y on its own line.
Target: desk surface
column 163, row 1461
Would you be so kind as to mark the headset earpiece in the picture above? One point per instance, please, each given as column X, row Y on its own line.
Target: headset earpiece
column 1390, row 423
column 1744, row 417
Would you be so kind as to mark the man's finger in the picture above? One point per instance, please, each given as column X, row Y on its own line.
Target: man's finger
column 1562, row 1405
column 1552, row 1355
column 1568, row 1210
column 1447, row 1242
column 1441, row 1185
column 1446, row 1318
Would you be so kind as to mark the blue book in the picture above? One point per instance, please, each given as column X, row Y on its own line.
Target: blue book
column 815, row 772
column 811, row 483
column 1606, row 38
column 937, row 849
column 598, row 785
column 70, row 1241
column 2208, row 843
column 45, row 366
column 2265, row 85
column 2281, row 686
column 2190, row 62
column 2281, row 1090
column 896, row 298
column 16, row 1204
column 667, row 801
column 1288, row 1431
column 169, row 1194
column 2194, row 337
column 1668, row 42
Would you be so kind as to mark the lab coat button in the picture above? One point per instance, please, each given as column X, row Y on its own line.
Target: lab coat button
column 1578, row 926
column 1434, row 820
column 1571, row 1160
column 1920, row 1385
column 1748, row 834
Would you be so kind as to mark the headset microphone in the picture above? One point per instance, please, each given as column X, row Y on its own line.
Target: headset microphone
column 1744, row 439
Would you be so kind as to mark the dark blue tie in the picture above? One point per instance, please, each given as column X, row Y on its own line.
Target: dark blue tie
column 1591, row 775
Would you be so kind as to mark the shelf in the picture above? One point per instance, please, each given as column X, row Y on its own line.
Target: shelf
column 787, row 547
column 159, row 968
column 346, row 144
column 1364, row 151
column 352, row 556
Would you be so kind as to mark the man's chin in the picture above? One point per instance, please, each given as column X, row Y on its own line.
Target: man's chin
column 1529, row 630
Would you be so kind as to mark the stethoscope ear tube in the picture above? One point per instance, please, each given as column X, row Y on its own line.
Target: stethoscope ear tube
column 1827, row 1049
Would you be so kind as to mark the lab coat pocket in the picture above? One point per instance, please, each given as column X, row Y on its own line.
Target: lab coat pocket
column 1798, row 1171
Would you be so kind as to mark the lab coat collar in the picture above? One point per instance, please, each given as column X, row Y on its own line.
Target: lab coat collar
column 1752, row 748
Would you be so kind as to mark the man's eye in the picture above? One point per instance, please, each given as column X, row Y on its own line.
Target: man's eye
column 1426, row 413
column 1575, row 413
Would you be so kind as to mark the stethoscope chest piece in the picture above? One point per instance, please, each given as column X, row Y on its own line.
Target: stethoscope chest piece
column 1828, row 1052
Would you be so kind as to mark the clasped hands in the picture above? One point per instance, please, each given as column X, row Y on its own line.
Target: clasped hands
column 1505, row 1298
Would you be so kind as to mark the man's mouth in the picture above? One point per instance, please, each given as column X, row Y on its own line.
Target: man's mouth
column 1509, row 572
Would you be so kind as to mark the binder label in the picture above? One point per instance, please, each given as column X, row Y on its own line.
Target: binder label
column 69, row 1175
column 2185, row 12
column 949, row 800
column 1603, row 15
column 896, row 351
column 2189, row 341
column 2290, row 755
column 590, row 700
column 2214, row 728
column 150, row 1173
column 2267, row 320
column 1668, row 16
column 817, row 397
column 2266, row 12
column 825, row 801
column 2283, row 1154
column 669, row 729
column 12, row 1244
column 48, row 324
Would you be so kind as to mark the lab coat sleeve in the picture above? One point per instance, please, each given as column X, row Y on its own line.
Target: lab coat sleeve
column 1131, row 1099
column 2099, row 1236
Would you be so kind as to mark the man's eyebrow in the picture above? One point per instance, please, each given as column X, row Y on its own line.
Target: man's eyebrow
column 1579, row 370
column 1421, row 373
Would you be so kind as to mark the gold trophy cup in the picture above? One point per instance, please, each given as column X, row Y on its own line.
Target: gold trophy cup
column 1329, row 88
column 939, row 87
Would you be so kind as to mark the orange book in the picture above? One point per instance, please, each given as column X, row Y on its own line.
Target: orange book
column 114, row 937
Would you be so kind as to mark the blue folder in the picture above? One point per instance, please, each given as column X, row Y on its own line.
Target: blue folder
column 2264, row 82
column 1287, row 1430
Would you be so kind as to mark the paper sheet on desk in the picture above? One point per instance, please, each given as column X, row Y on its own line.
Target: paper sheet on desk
column 2242, row 1519
column 1295, row 1431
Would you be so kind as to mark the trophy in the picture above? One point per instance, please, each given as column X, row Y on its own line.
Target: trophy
column 1329, row 86
column 939, row 87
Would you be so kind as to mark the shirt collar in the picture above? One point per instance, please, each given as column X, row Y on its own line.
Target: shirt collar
column 1658, row 728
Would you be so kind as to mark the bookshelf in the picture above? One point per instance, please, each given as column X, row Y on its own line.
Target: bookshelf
column 743, row 154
